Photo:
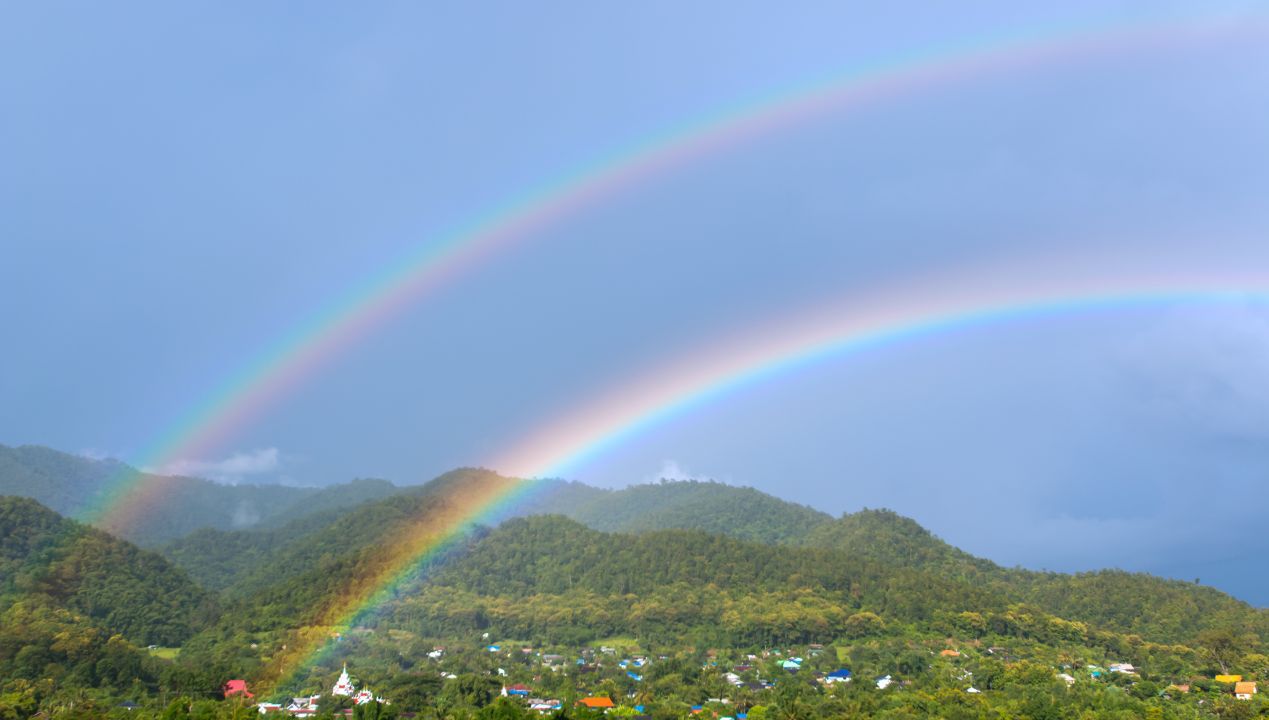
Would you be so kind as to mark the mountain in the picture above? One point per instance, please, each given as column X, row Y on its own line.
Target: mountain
column 379, row 584
column 715, row 507
column 246, row 562
column 885, row 536
column 221, row 559
column 177, row 506
column 112, row 583
column 873, row 560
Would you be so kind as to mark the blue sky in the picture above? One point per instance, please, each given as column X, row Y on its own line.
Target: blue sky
column 182, row 184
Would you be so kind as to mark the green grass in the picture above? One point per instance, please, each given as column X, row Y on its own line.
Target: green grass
column 167, row 653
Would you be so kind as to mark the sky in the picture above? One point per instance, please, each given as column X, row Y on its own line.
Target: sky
column 183, row 183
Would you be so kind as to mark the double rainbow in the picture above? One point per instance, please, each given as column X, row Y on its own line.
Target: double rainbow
column 338, row 326
column 677, row 387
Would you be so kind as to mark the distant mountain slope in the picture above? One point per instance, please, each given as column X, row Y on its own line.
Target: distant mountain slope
column 714, row 507
column 69, row 483
column 217, row 559
column 221, row 559
column 115, row 585
column 875, row 560
column 888, row 537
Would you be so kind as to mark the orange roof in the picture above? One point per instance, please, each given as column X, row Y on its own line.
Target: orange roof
column 1245, row 688
column 597, row 702
column 950, row 653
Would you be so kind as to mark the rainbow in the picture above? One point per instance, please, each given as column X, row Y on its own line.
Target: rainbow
column 856, row 324
column 341, row 323
column 418, row 545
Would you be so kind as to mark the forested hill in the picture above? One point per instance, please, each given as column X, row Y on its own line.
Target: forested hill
column 544, row 556
column 715, row 507
column 69, row 483
column 887, row 537
column 48, row 559
column 221, row 559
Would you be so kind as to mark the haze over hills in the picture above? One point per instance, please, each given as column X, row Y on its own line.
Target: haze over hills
column 70, row 483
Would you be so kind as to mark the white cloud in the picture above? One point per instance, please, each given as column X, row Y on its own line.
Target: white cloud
column 672, row 470
column 232, row 470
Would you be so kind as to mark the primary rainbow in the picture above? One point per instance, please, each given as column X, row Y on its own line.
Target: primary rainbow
column 856, row 324
column 338, row 325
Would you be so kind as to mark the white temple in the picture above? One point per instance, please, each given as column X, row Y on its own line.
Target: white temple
column 344, row 686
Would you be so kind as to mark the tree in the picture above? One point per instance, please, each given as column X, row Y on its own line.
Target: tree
column 1224, row 646
column 863, row 624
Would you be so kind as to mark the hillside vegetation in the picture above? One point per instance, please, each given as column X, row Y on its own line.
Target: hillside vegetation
column 117, row 586
column 70, row 484
column 690, row 565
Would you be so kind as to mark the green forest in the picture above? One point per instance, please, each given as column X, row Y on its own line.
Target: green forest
column 688, row 599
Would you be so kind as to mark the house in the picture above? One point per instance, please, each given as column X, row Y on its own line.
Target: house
column 837, row 676
column 792, row 665
column 237, row 688
column 268, row 707
column 732, row 678
column 597, row 703
column 1244, row 690
column 303, row 706
column 1229, row 678
column 972, row 690
column 949, row 653
column 884, row 682
column 1125, row 668
column 544, row 706
column 1066, row 678
column 519, row 690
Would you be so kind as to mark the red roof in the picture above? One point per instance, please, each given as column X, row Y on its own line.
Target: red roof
column 237, row 687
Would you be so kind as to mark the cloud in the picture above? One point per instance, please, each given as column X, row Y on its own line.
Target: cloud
column 232, row 470
column 671, row 470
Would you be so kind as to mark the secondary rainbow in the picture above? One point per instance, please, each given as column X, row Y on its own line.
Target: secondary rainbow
column 340, row 323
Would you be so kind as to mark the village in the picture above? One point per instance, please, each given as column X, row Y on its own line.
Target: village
column 610, row 680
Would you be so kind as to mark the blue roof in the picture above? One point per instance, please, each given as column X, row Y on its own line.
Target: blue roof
column 841, row 673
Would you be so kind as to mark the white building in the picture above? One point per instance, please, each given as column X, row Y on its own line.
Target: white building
column 344, row 685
